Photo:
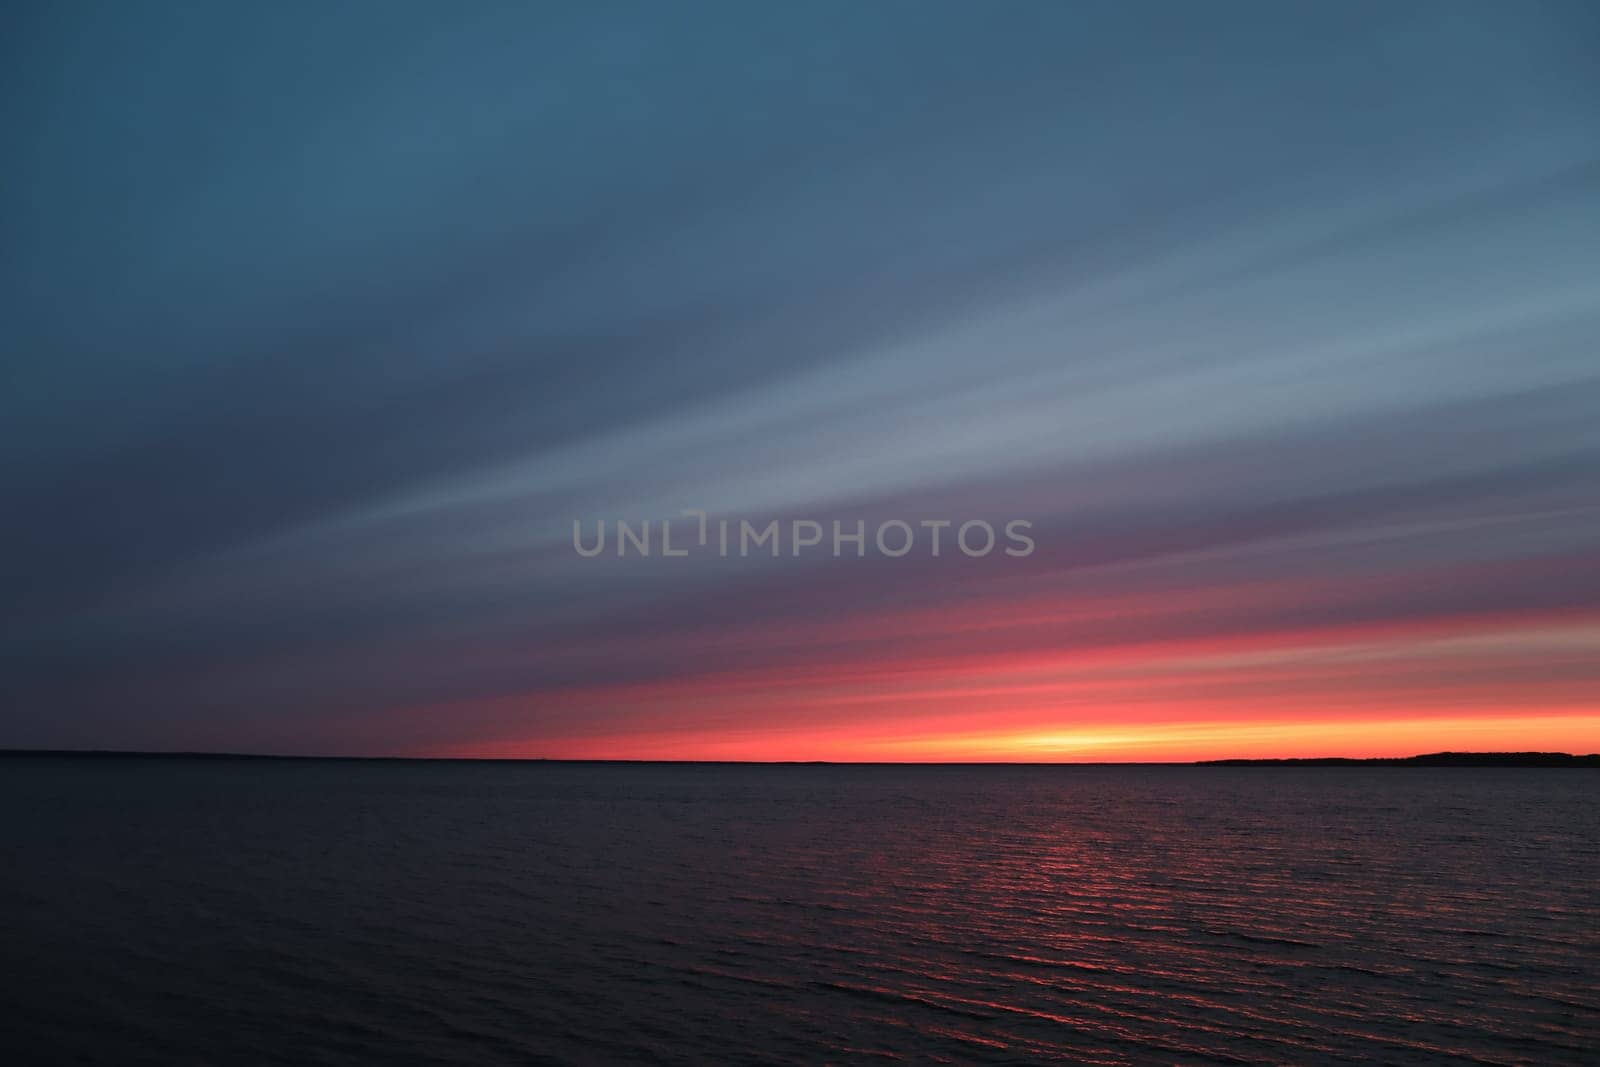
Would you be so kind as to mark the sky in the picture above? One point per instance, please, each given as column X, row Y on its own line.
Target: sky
column 322, row 324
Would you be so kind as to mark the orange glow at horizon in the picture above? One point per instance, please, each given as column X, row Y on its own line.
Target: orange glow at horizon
column 1176, row 742
column 1355, row 692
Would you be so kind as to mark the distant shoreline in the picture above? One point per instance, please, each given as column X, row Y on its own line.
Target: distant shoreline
column 1432, row 759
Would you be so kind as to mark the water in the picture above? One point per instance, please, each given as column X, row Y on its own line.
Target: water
column 167, row 911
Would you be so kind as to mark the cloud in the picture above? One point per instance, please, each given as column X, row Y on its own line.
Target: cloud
column 328, row 329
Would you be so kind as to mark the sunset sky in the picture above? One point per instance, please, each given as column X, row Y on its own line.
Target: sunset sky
column 323, row 323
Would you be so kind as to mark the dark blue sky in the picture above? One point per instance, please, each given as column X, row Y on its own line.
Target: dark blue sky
column 322, row 322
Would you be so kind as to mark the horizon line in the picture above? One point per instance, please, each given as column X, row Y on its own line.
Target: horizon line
column 1590, row 758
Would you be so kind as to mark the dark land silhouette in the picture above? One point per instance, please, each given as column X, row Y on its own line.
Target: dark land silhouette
column 1431, row 759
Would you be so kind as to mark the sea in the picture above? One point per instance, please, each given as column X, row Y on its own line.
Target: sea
column 232, row 912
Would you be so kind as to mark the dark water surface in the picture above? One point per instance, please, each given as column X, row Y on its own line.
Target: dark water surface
column 169, row 911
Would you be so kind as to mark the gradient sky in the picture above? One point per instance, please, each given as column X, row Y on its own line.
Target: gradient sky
column 322, row 322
